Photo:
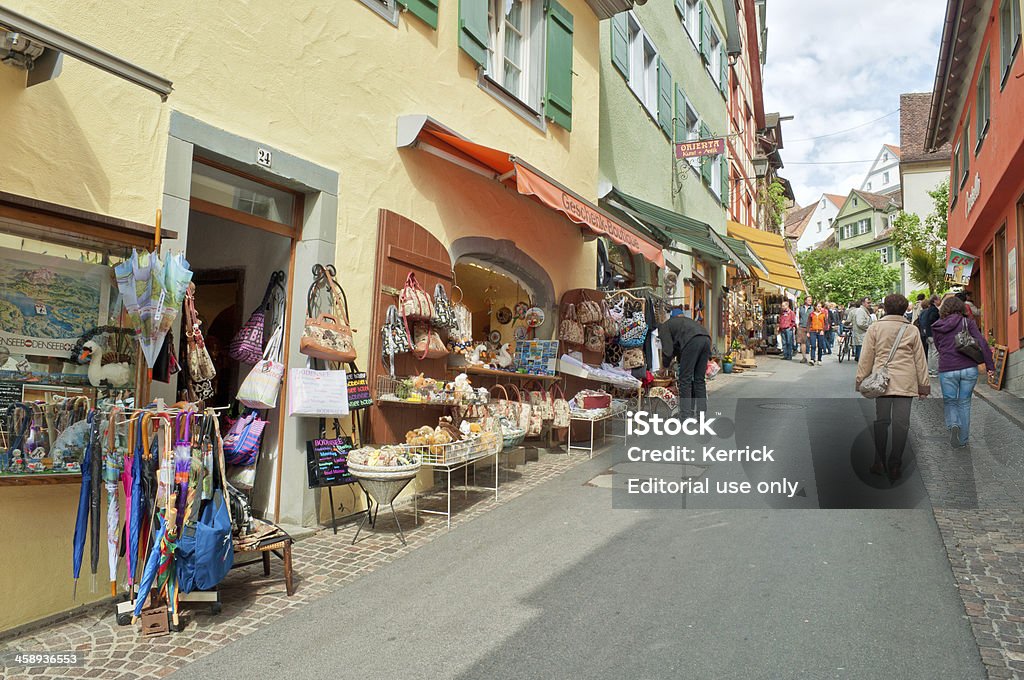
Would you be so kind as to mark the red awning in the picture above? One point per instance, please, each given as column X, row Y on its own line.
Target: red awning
column 529, row 181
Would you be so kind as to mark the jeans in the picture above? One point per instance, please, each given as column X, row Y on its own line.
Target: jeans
column 933, row 356
column 856, row 352
column 788, row 343
column 830, row 340
column 894, row 411
column 693, row 363
column 957, row 388
column 816, row 343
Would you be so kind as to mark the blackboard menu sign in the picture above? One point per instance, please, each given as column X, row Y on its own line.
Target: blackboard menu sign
column 10, row 393
column 327, row 462
column 999, row 359
column 358, row 391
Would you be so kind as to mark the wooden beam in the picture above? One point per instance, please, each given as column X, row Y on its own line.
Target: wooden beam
column 249, row 220
column 418, row 261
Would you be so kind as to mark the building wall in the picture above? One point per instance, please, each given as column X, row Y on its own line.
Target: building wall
column 877, row 178
column 825, row 213
column 917, row 182
column 742, row 125
column 324, row 82
column 994, row 179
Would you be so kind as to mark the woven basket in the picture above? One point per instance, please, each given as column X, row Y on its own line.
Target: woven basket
column 383, row 472
column 514, row 438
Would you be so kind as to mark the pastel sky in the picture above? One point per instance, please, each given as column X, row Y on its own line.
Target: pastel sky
column 833, row 65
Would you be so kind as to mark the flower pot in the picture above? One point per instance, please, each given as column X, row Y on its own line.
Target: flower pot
column 727, row 367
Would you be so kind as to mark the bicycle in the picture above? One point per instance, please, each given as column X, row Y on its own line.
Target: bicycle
column 845, row 346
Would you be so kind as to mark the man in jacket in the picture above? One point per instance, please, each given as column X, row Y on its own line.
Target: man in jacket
column 689, row 343
column 835, row 321
column 860, row 320
column 803, row 314
column 787, row 327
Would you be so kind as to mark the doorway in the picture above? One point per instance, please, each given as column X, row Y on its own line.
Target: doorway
column 498, row 301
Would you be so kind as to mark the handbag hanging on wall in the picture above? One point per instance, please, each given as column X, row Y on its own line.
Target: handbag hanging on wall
column 570, row 330
column 327, row 336
column 260, row 388
column 201, row 370
column 444, row 316
column 393, row 339
column 247, row 345
column 413, row 302
column 427, row 344
column 561, row 409
column 593, row 337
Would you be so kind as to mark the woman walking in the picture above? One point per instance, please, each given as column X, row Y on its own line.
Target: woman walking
column 860, row 320
column 893, row 342
column 958, row 371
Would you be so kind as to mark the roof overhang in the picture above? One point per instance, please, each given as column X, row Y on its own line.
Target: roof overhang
column 426, row 134
column 960, row 39
column 606, row 9
column 55, row 44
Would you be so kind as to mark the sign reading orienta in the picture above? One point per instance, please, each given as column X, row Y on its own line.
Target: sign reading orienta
column 700, row 148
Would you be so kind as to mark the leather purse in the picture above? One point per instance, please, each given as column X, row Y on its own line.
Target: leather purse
column 967, row 345
column 328, row 336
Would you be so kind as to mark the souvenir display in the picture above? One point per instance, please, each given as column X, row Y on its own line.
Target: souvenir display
column 520, row 310
column 570, row 330
column 534, row 317
column 152, row 290
column 503, row 315
column 393, row 339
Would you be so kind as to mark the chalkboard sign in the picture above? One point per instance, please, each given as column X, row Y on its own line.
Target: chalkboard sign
column 10, row 393
column 327, row 462
column 999, row 359
column 358, row 392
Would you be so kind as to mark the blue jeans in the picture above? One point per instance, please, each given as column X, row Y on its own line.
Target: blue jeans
column 788, row 343
column 856, row 352
column 957, row 388
column 816, row 343
column 830, row 340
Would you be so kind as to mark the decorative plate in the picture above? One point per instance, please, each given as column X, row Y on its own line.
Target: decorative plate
column 534, row 317
column 503, row 315
column 519, row 332
column 520, row 309
column 495, row 337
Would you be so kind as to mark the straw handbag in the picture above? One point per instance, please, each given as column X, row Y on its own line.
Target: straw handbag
column 328, row 336
column 570, row 330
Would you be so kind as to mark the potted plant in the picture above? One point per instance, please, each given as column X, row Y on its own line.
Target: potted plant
column 727, row 362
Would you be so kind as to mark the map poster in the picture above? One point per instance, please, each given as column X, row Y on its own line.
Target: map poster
column 47, row 303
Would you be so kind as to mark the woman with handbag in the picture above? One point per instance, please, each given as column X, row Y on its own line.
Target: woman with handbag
column 893, row 364
column 961, row 347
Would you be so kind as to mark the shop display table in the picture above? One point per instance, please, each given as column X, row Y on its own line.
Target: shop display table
column 508, row 375
column 447, row 465
column 616, row 411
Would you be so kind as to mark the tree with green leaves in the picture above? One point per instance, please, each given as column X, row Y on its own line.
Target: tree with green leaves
column 772, row 197
column 845, row 275
column 923, row 244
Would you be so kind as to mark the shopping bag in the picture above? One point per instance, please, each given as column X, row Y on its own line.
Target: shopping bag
column 317, row 394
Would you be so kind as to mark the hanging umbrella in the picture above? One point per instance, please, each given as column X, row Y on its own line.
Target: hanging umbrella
column 149, row 571
column 96, row 482
column 113, row 463
column 84, row 503
column 133, row 502
column 152, row 290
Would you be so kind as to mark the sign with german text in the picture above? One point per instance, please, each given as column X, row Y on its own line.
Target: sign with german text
column 358, row 392
column 327, row 462
column 700, row 148
column 959, row 266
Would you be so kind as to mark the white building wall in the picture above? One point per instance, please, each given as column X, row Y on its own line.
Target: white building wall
column 824, row 214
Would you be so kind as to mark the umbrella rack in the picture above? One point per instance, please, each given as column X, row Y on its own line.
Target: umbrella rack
column 211, row 598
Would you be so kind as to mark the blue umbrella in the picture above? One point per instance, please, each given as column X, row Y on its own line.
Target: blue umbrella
column 149, row 572
column 84, row 501
column 135, row 500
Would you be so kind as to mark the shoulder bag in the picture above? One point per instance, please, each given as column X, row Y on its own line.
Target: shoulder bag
column 877, row 382
column 260, row 388
column 200, row 366
column 444, row 317
column 570, row 330
column 967, row 345
column 328, row 336
column 413, row 302
column 393, row 339
column 561, row 409
column 589, row 311
column 247, row 345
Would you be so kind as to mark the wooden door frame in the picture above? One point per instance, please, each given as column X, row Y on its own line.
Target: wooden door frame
column 1000, row 303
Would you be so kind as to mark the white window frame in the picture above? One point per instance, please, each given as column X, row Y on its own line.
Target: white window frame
column 691, row 20
column 1009, row 37
column 531, row 86
column 885, row 178
column 716, row 176
column 883, row 253
column 819, row 226
column 715, row 63
column 692, row 131
column 643, row 65
column 386, row 9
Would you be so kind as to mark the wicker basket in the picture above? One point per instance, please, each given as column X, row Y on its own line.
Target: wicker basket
column 513, row 438
column 383, row 472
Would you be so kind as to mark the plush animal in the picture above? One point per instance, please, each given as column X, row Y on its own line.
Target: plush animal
column 475, row 358
column 115, row 375
column 504, row 359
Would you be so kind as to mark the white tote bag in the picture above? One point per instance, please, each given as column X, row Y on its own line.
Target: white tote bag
column 260, row 388
column 317, row 394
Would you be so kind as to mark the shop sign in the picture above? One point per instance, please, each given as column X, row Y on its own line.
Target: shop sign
column 959, row 266
column 264, row 157
column 972, row 195
column 700, row 148
column 358, row 391
column 327, row 462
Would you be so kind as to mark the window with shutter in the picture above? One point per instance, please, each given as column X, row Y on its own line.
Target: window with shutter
column 474, row 31
column 558, row 95
column 664, row 98
column 723, row 65
column 706, row 32
column 620, row 44
column 725, row 180
column 706, row 164
column 424, row 9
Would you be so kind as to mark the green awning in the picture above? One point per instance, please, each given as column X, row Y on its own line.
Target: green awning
column 739, row 247
column 679, row 228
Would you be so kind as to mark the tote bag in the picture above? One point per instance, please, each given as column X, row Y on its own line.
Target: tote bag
column 260, row 388
column 317, row 394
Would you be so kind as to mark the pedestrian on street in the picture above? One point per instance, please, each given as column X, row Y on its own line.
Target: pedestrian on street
column 828, row 328
column 958, row 372
column 803, row 314
column 860, row 321
column 835, row 323
column 816, row 333
column 908, row 378
column 919, row 306
column 930, row 315
column 689, row 343
column 787, row 328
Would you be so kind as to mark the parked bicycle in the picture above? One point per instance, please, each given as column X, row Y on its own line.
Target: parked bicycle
column 845, row 345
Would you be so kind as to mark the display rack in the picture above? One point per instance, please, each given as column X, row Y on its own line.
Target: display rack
column 508, row 375
column 616, row 411
column 449, row 464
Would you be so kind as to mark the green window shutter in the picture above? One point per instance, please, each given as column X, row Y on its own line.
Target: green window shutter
column 725, row 180
column 705, row 161
column 680, row 118
column 558, row 96
column 474, row 32
column 723, row 81
column 705, row 32
column 424, row 9
column 620, row 44
column 680, row 8
column 664, row 98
